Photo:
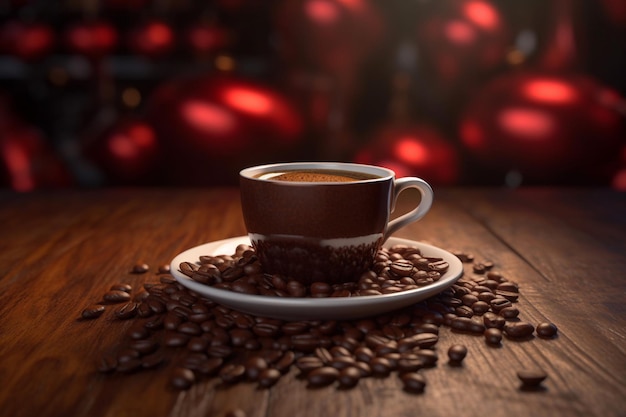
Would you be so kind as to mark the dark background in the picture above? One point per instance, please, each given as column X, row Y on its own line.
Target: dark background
column 176, row 93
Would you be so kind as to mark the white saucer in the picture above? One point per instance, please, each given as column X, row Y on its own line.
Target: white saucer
column 335, row 308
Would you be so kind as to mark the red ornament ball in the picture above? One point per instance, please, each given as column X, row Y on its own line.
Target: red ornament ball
column 206, row 38
column 27, row 162
column 27, row 41
column 416, row 150
column 216, row 119
column 458, row 39
column 543, row 125
column 153, row 39
column 332, row 35
column 127, row 152
column 93, row 39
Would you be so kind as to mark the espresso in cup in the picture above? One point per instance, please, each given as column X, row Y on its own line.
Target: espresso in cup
column 323, row 221
column 317, row 175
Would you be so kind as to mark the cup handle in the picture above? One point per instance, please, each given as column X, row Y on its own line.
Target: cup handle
column 418, row 212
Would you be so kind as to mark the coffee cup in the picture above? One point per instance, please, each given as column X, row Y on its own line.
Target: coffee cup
column 323, row 221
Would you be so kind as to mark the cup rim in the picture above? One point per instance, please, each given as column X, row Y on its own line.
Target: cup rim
column 381, row 173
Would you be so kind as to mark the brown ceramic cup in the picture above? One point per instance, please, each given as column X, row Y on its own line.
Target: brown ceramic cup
column 323, row 221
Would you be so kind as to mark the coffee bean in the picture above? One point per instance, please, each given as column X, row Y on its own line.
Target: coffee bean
column 349, row 377
column 284, row 363
column 143, row 309
column 410, row 363
column 324, row 355
column 268, row 377
column 144, row 346
column 413, row 382
column 121, row 287
column 164, row 269
column 254, row 366
column 107, row 363
column 509, row 312
column 116, row 297
column 428, row 357
column 499, row 303
column 238, row 412
column 155, row 323
column 401, row 268
column 140, row 268
column 189, row 328
column 463, row 324
column 320, row 289
column 182, row 378
column 493, row 336
column 296, row 289
column 492, row 320
column 175, row 339
column 323, row 376
column 92, row 312
column 127, row 311
column 531, row 378
column 546, row 330
column 305, row 342
column 480, row 307
column 308, row 363
column 380, row 366
column 198, row 344
column 220, row 351
column 456, row 353
column 232, row 373
column 519, row 330
column 152, row 361
column 130, row 365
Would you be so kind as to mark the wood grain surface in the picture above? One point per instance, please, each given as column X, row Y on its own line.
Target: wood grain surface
column 60, row 251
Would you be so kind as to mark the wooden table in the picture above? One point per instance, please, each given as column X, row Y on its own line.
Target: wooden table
column 60, row 251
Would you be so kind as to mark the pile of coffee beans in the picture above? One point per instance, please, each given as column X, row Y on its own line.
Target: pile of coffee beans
column 195, row 339
column 400, row 268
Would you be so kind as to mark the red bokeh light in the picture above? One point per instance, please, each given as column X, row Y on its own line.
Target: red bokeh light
column 93, row 39
column 18, row 164
column 322, row 11
column 208, row 117
column 410, row 150
column 460, row 32
column 549, row 91
column 132, row 143
column 249, row 101
column 482, row 14
column 527, row 123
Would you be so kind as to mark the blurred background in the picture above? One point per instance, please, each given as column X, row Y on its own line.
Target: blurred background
column 98, row 93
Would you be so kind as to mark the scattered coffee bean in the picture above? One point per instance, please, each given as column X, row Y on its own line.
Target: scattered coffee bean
column 121, row 287
column 546, row 330
column 127, row 311
column 456, row 353
column 116, row 297
column 349, row 377
column 164, row 269
column 320, row 377
column 232, row 373
column 531, row 378
column 107, row 363
column 493, row 336
column 92, row 312
column 140, row 268
column 413, row 382
column 182, row 378
column 519, row 330
column 238, row 412
column 214, row 341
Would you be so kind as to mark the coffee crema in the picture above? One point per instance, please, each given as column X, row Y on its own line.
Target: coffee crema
column 317, row 175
